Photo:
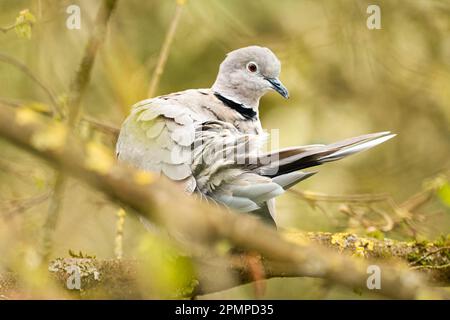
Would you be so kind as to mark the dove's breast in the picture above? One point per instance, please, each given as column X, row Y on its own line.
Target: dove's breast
column 159, row 133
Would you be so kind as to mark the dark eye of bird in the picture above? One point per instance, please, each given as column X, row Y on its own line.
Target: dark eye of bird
column 252, row 67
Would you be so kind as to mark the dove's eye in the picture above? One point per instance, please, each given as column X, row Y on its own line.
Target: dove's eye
column 252, row 67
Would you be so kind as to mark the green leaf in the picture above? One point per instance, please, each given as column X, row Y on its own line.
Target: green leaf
column 39, row 182
column 377, row 234
column 24, row 22
column 444, row 193
column 164, row 272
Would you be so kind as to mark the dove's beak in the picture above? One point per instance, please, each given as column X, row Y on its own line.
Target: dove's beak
column 278, row 87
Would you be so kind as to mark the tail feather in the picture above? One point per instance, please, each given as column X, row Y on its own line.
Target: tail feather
column 297, row 158
column 342, row 153
column 290, row 179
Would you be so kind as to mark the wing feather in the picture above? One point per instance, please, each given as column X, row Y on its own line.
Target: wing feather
column 157, row 136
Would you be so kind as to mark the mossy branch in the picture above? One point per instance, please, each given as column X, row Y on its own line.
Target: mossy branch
column 120, row 278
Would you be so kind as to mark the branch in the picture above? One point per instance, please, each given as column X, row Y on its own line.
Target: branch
column 431, row 256
column 357, row 207
column 83, row 74
column 78, row 89
column 25, row 70
column 201, row 224
column 106, row 128
column 12, row 207
column 163, row 55
column 120, row 278
column 357, row 198
column 8, row 28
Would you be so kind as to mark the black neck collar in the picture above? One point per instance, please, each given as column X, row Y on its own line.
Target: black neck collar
column 247, row 113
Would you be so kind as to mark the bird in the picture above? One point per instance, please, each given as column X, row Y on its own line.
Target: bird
column 210, row 140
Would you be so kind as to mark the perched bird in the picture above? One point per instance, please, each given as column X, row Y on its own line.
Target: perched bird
column 210, row 140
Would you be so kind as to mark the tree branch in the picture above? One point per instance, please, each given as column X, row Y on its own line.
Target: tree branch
column 83, row 74
column 78, row 89
column 201, row 224
column 120, row 278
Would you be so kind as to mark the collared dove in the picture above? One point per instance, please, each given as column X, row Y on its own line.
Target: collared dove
column 210, row 139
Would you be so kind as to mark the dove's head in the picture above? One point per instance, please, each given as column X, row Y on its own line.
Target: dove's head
column 247, row 74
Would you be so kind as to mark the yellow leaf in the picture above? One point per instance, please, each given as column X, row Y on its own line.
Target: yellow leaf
column 23, row 24
column 39, row 107
column 339, row 239
column 27, row 16
column 295, row 237
column 39, row 180
column 143, row 177
column 223, row 247
column 444, row 193
column 359, row 252
column 121, row 213
column 98, row 158
column 52, row 137
column 26, row 116
column 118, row 246
column 23, row 30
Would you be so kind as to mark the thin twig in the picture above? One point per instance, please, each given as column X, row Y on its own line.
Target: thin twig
column 16, row 206
column 443, row 266
column 78, row 89
column 106, row 128
column 387, row 218
column 52, row 216
column 101, row 126
column 11, row 102
column 404, row 211
column 8, row 28
column 10, row 168
column 417, row 200
column 24, row 69
column 163, row 55
column 316, row 196
column 83, row 74
column 14, row 25
column 428, row 254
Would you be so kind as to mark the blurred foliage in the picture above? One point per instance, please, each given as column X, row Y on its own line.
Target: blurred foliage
column 24, row 22
column 165, row 273
column 344, row 80
column 444, row 192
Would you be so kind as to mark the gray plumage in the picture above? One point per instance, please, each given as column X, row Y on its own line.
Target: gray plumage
column 209, row 140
